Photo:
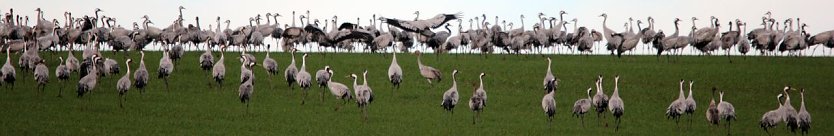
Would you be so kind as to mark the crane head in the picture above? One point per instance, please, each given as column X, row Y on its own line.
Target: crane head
column 483, row 74
column 353, row 76
column 128, row 61
column 181, row 8
column 454, row 72
column 603, row 15
column 327, row 68
column 562, row 12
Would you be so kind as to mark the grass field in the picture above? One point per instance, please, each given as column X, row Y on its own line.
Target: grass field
column 513, row 83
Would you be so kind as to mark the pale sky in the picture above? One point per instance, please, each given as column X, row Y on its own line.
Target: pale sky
column 163, row 12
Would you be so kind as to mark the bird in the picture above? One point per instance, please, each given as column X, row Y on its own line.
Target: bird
column 395, row 72
column 790, row 115
column 364, row 94
column 123, row 85
column 600, row 101
column 428, row 72
column 615, row 104
column 141, row 76
column 582, row 106
column 341, row 91
column 772, row 118
column 71, row 62
column 41, row 74
column 726, row 111
column 423, row 27
column 270, row 64
column 478, row 101
column 63, row 74
column 8, row 70
column 547, row 77
column 218, row 70
column 804, row 120
column 110, row 66
column 245, row 90
column 303, row 78
column 549, row 102
column 322, row 76
column 89, row 81
column 451, row 96
column 165, row 67
column 291, row 70
column 612, row 44
column 743, row 43
column 207, row 59
column 676, row 108
column 689, row 103
column 246, row 73
column 712, row 111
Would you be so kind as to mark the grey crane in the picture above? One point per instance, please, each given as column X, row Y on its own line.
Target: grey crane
column 549, row 102
column 423, row 27
column 341, row 91
column 478, row 101
column 788, row 111
column 689, row 103
column 600, row 101
column 427, row 72
column 218, row 71
column 245, row 90
column 364, row 94
column 291, row 70
column 63, row 74
column 395, row 72
column 582, row 106
column 269, row 64
column 726, row 111
column 141, row 76
column 110, row 66
column 41, row 75
column 206, row 59
column 303, row 78
column 648, row 32
column 803, row 115
column 712, row 110
column 772, row 118
column 615, row 104
column 123, row 85
column 547, row 77
column 743, row 42
column 322, row 76
column 676, row 108
column 71, row 62
column 246, row 70
column 451, row 96
column 165, row 68
column 89, row 81
column 612, row 44
column 8, row 70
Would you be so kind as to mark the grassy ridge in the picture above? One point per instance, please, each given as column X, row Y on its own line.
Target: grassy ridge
column 513, row 83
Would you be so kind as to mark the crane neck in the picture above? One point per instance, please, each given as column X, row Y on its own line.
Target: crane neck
column 481, row 78
column 365, row 79
column 680, row 92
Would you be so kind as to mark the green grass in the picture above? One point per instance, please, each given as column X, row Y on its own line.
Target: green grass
column 513, row 84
